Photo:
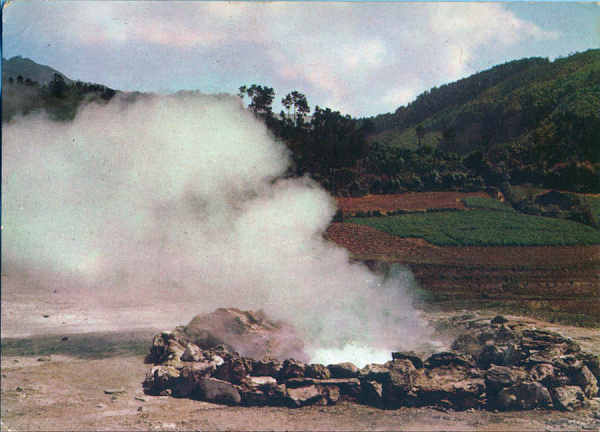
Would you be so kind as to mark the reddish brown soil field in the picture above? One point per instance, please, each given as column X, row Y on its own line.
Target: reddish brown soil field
column 410, row 201
column 560, row 283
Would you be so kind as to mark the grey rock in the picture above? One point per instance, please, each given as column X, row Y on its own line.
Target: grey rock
column 585, row 379
column 414, row 358
column 192, row 353
column 316, row 370
column 375, row 372
column 343, row 370
column 218, row 391
column 498, row 377
column 447, row 358
column 523, row 396
column 373, row 393
column 568, row 398
column 266, row 367
column 292, row 369
column 302, row 396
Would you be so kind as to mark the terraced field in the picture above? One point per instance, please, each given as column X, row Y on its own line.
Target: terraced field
column 549, row 280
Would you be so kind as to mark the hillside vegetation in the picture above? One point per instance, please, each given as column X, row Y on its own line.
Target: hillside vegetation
column 534, row 120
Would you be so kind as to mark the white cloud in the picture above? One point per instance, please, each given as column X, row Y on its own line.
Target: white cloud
column 359, row 56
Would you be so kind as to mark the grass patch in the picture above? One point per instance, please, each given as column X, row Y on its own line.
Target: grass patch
column 487, row 204
column 86, row 346
column 484, row 228
column 594, row 204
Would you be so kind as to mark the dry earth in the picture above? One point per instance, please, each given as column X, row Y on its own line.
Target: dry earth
column 68, row 392
column 409, row 201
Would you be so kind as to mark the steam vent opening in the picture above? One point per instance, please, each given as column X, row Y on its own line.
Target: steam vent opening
column 237, row 357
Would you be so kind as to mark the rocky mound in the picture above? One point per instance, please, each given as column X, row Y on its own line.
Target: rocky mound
column 497, row 364
column 249, row 333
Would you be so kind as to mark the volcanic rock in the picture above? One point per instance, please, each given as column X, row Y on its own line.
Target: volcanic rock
column 524, row 396
column 160, row 378
column 416, row 360
column 499, row 319
column 233, row 370
column 449, row 386
column 498, row 377
column 568, row 398
column 506, row 366
column 266, row 368
column 301, row 396
column 585, row 379
column 316, row 370
column 447, row 358
column 343, row 370
column 192, row 353
column 251, row 333
column 218, row 391
column 292, row 369
column 542, row 372
column 375, row 372
column 373, row 393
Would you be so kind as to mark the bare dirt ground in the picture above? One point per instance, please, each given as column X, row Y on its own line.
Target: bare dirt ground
column 553, row 282
column 53, row 383
column 409, row 201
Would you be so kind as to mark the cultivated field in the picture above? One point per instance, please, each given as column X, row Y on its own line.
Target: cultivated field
column 483, row 258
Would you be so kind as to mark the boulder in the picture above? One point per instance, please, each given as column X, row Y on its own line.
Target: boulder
column 542, row 372
column 399, row 389
column 372, row 393
column 254, row 397
column 585, row 379
column 292, row 369
column 498, row 377
column 234, row 370
column 568, row 398
column 592, row 361
column 301, row 396
column 536, row 339
column 260, row 382
column 448, row 358
column 192, row 353
column 266, row 367
column 218, row 391
column 468, row 344
column 316, row 370
column 343, row 370
column 160, row 378
column 499, row 320
column 448, row 387
column 503, row 355
column 375, row 372
column 414, row 358
column 522, row 396
column 250, row 332
column 331, row 393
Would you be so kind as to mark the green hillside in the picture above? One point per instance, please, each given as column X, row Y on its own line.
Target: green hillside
column 532, row 120
column 529, row 101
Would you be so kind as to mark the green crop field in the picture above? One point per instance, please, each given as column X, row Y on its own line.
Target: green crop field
column 486, row 203
column 484, row 228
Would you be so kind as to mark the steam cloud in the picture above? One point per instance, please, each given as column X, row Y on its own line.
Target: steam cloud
column 179, row 199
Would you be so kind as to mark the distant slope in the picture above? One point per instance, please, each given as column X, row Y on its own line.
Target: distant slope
column 551, row 107
column 60, row 98
column 20, row 66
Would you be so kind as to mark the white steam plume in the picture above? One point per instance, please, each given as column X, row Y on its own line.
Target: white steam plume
column 178, row 199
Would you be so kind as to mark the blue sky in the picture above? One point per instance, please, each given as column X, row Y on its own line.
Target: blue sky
column 360, row 58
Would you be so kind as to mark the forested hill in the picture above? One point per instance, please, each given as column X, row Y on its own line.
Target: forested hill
column 27, row 69
column 550, row 108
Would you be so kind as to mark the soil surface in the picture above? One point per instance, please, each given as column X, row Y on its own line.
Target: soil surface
column 552, row 282
column 88, row 389
column 409, row 201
